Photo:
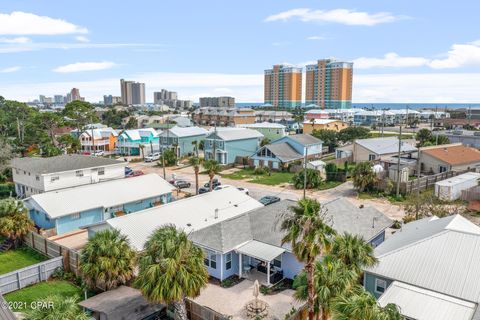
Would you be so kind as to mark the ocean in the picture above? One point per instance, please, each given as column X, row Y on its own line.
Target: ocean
column 432, row 106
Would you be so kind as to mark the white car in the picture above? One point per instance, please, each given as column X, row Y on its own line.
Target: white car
column 152, row 157
column 98, row 153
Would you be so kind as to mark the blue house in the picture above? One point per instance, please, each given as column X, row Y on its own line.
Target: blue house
column 226, row 145
column 281, row 152
column 240, row 236
column 66, row 210
column 184, row 140
column 130, row 142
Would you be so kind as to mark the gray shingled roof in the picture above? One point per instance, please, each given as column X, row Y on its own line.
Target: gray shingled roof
column 61, row 163
column 305, row 139
column 263, row 225
column 284, row 152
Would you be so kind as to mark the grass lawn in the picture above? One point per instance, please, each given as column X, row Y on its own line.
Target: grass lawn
column 39, row 291
column 329, row 185
column 273, row 179
column 19, row 258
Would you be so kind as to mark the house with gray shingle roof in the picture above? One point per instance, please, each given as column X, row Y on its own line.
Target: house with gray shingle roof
column 281, row 152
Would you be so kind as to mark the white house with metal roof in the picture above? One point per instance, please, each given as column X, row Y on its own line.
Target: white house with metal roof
column 184, row 140
column 69, row 209
column 34, row 175
column 376, row 148
column 430, row 269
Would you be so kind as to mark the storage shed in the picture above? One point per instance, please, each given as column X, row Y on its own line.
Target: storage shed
column 451, row 189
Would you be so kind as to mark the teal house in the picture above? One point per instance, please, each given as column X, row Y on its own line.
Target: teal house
column 130, row 142
column 227, row 145
column 182, row 139
column 69, row 209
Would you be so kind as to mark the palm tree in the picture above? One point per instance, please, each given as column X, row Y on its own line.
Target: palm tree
column 14, row 220
column 212, row 167
column 195, row 145
column 332, row 279
column 363, row 176
column 353, row 251
column 142, row 147
column 107, row 261
column 63, row 308
column 171, row 269
column 195, row 163
column 361, row 305
column 310, row 237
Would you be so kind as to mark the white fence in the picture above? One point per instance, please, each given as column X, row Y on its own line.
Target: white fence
column 21, row 278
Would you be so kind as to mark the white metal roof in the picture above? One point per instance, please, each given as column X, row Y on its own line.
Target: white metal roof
column 106, row 194
column 385, row 145
column 317, row 111
column 459, row 179
column 229, row 134
column 260, row 250
column 186, row 131
column 189, row 214
column 422, row 304
column 442, row 255
column 262, row 125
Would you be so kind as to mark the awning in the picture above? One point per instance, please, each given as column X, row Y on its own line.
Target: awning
column 260, row 250
column 419, row 303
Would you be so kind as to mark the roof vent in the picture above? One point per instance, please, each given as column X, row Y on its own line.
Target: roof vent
column 189, row 224
column 216, row 214
column 235, row 205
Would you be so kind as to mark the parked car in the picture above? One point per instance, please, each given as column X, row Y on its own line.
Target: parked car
column 128, row 171
column 215, row 183
column 180, row 184
column 221, row 187
column 269, row 200
column 152, row 157
column 203, row 190
column 135, row 173
column 98, row 153
column 245, row 190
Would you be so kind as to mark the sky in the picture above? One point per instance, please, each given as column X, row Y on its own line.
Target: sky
column 403, row 50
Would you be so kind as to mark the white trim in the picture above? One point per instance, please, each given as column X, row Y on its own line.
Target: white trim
column 377, row 280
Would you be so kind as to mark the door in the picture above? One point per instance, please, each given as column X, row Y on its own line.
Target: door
column 94, row 176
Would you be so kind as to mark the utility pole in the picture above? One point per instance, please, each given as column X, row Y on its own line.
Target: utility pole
column 383, row 120
column 93, row 138
column 417, row 206
column 398, row 161
column 160, row 149
column 305, row 173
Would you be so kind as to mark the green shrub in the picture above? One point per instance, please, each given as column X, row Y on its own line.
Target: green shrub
column 7, row 190
column 313, row 179
column 331, row 171
column 261, row 171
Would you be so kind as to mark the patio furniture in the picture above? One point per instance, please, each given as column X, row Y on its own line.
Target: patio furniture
column 246, row 269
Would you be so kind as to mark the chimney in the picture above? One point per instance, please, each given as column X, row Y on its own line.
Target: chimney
column 216, row 214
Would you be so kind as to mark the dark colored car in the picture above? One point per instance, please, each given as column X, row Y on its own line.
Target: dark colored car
column 203, row 190
column 182, row 184
column 215, row 183
column 269, row 200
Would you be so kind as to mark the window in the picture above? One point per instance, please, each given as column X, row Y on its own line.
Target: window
column 37, row 177
column 371, row 157
column 76, row 216
column 442, row 169
column 79, row 173
column 101, row 171
column 228, row 261
column 54, row 178
column 380, row 286
column 210, row 259
column 277, row 263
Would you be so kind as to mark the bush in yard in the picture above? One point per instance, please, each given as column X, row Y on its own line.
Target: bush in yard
column 170, row 158
column 14, row 220
column 363, row 176
column 63, row 308
column 261, row 170
column 313, row 179
column 331, row 171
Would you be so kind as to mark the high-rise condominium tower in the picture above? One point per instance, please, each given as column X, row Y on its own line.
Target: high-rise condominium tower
column 329, row 84
column 132, row 92
column 283, row 86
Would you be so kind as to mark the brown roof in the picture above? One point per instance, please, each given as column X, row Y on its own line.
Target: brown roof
column 454, row 155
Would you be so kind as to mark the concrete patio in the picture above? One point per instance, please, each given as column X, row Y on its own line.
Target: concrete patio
column 232, row 301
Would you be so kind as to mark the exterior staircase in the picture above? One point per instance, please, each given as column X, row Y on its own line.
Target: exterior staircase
column 6, row 245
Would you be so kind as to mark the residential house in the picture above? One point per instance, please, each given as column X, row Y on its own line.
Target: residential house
column 281, row 152
column 270, row 130
column 316, row 114
column 131, row 142
column 323, row 124
column 378, row 148
column 104, row 139
column 32, row 175
column 429, row 269
column 466, row 137
column 184, row 140
column 227, row 145
column 242, row 237
column 69, row 209
column 283, row 117
column 450, row 157
column 374, row 117
column 223, row 117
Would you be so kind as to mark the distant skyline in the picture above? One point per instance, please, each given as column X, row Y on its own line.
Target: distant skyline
column 403, row 51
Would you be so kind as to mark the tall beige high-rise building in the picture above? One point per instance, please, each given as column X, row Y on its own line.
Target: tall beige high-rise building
column 132, row 92
column 283, row 86
column 329, row 84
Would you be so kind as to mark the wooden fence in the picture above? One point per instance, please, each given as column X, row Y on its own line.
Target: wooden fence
column 51, row 249
column 21, row 278
column 471, row 194
column 199, row 312
column 429, row 181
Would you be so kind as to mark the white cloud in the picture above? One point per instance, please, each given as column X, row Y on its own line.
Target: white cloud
column 342, row 16
column 15, row 40
column 85, row 66
column 10, row 69
column 389, row 60
column 82, row 39
column 316, row 38
column 460, row 55
column 67, row 46
column 24, row 23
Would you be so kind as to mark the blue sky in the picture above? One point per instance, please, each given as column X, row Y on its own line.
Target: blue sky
column 403, row 51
